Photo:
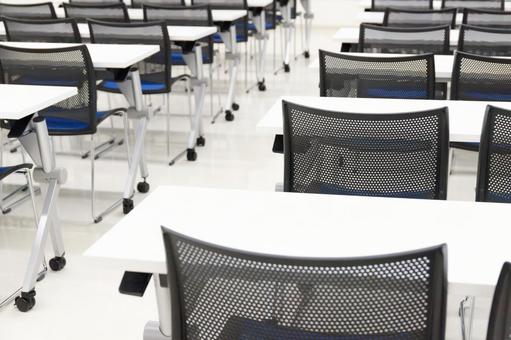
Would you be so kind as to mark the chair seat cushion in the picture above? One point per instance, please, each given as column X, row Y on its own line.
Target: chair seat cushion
column 7, row 170
column 63, row 125
column 147, row 86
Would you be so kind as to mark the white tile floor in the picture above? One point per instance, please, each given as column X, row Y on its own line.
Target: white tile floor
column 82, row 302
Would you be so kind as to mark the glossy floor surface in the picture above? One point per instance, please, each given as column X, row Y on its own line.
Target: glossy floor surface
column 82, row 301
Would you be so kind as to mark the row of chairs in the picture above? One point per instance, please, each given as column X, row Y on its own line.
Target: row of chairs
column 434, row 39
column 421, row 18
column 398, row 296
column 381, row 5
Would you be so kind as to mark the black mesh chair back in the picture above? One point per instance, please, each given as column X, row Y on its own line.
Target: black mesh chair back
column 116, row 12
column 478, row 4
column 477, row 77
column 140, row 3
column 184, row 16
column 32, row 11
column 155, row 71
column 487, row 18
column 386, row 155
column 70, row 66
column 48, row 30
column 415, row 40
column 410, row 77
column 499, row 326
column 95, row 2
column 494, row 169
column 487, row 41
column 419, row 18
column 223, row 293
column 381, row 5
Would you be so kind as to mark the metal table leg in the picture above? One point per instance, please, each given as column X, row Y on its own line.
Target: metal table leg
column 288, row 26
column 162, row 329
column 259, row 18
column 193, row 60
column 231, row 54
column 308, row 16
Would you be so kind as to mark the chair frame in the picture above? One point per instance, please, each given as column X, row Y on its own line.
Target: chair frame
column 373, row 7
column 494, row 331
column 72, row 21
column 120, row 5
column 416, row 11
column 465, row 27
column 49, row 3
column 467, row 11
column 502, row 3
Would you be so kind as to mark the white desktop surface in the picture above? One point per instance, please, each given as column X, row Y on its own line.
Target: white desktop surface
column 289, row 224
column 19, row 101
column 258, row 3
column 102, row 55
column 350, row 35
column 465, row 117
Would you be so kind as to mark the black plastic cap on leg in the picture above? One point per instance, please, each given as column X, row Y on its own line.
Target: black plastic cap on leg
column 57, row 263
column 143, row 187
column 287, row 68
column 306, row 54
column 127, row 206
column 235, row 106
column 201, row 141
column 191, row 155
column 261, row 86
column 229, row 116
column 26, row 301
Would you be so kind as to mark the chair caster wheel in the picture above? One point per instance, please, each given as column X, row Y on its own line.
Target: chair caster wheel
column 201, row 141
column 306, row 54
column 229, row 116
column 143, row 187
column 287, row 68
column 127, row 206
column 235, row 107
column 191, row 155
column 98, row 219
column 57, row 263
column 261, row 86
column 26, row 301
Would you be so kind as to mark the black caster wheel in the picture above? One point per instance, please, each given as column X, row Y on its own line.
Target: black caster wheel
column 6, row 211
column 26, row 301
column 306, row 54
column 98, row 219
column 191, row 155
column 127, row 206
column 57, row 263
column 235, row 107
column 143, row 187
column 201, row 141
column 287, row 68
column 229, row 116
column 261, row 86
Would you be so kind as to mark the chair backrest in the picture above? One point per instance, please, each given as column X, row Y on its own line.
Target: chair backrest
column 494, row 172
column 386, row 155
column 478, row 4
column 49, row 30
column 69, row 66
column 95, row 2
column 487, row 18
column 156, row 68
column 222, row 4
column 477, row 77
column 223, row 293
column 487, row 41
column 343, row 75
column 499, row 326
column 419, row 18
column 381, row 5
column 116, row 12
column 140, row 3
column 405, row 40
column 43, row 10
column 179, row 15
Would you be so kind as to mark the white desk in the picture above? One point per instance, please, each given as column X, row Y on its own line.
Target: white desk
column 465, row 117
column 16, row 103
column 288, row 224
column 350, row 35
column 119, row 57
column 377, row 17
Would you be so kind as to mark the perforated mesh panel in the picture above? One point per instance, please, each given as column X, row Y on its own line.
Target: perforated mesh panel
column 376, row 77
column 59, row 67
column 55, row 30
column 230, row 295
column 378, row 39
column 400, row 155
column 499, row 326
column 105, row 12
column 95, row 2
column 481, row 18
column 406, row 18
column 381, row 5
column 223, row 4
column 139, row 3
column 481, row 78
column 153, row 70
column 478, row 4
column 485, row 41
column 34, row 11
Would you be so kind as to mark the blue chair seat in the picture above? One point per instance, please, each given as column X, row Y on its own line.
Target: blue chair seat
column 147, row 86
column 252, row 26
column 332, row 189
column 7, row 170
column 478, row 95
column 217, row 39
column 501, row 197
column 177, row 58
column 395, row 93
column 73, row 125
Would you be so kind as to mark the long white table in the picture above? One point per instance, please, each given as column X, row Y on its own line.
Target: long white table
column 18, row 102
column 309, row 225
column 350, row 35
column 121, row 58
column 465, row 117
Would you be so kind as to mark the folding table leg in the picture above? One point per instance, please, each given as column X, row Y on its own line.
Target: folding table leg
column 259, row 18
column 231, row 54
column 288, row 33
column 162, row 329
column 308, row 16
